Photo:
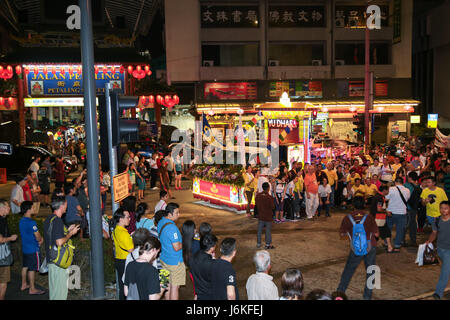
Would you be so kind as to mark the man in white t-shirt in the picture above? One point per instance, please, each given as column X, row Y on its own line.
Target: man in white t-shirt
column 161, row 205
column 34, row 166
column 17, row 196
column 374, row 169
column 398, row 196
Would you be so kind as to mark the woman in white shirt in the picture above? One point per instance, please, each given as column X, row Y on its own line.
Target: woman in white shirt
column 324, row 197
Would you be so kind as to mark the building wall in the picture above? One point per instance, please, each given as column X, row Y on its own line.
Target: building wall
column 183, row 49
column 402, row 51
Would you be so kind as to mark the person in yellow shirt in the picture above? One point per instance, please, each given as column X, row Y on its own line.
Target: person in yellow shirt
column 298, row 191
column 431, row 197
column 397, row 165
column 250, row 185
column 123, row 244
column 371, row 190
column 358, row 189
column 332, row 181
column 352, row 177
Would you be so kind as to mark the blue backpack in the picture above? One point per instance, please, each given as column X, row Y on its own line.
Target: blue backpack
column 358, row 241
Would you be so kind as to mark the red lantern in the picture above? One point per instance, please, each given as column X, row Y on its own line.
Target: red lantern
column 152, row 99
column 167, row 99
column 96, row 70
column 159, row 99
column 26, row 70
column 147, row 68
column 70, row 70
column 1, row 69
column 149, row 73
column 79, row 70
column 2, row 100
column 105, row 70
column 139, row 74
column 130, row 69
column 121, row 69
column 36, row 71
column 18, row 69
column 138, row 68
column 176, row 99
column 44, row 70
column 10, row 100
column 62, row 70
column 113, row 70
column 9, row 68
column 54, row 70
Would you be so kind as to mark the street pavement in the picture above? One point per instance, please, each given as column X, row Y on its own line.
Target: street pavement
column 314, row 247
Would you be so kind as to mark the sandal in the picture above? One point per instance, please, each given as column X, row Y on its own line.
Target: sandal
column 270, row 247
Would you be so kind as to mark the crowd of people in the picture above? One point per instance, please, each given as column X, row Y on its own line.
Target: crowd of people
column 402, row 186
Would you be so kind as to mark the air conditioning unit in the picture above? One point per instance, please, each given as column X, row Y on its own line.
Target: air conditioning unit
column 208, row 63
column 316, row 62
column 340, row 62
column 274, row 63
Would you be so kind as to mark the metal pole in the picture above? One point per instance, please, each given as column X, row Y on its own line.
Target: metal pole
column 87, row 58
column 112, row 149
column 367, row 89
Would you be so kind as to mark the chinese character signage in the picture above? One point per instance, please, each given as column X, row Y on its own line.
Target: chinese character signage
column 297, row 16
column 229, row 16
column 66, row 84
column 355, row 16
column 230, row 91
column 397, row 21
column 296, row 89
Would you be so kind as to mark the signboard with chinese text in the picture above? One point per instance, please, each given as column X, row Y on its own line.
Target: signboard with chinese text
column 432, row 120
column 67, row 84
column 230, row 91
column 354, row 16
column 296, row 89
column 120, row 186
column 229, row 16
column 297, row 17
column 293, row 137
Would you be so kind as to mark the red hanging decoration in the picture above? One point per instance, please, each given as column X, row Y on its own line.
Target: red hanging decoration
column 138, row 68
column 96, row 70
column 121, row 69
column 9, row 69
column 44, row 70
column 36, row 71
column 10, row 100
column 113, row 70
column 70, row 70
column 159, row 99
column 79, row 70
column 152, row 99
column 54, row 70
column 147, row 68
column 2, row 100
column 130, row 69
column 26, row 70
column 18, row 69
column 62, row 70
column 149, row 73
column 176, row 99
column 105, row 70
column 139, row 74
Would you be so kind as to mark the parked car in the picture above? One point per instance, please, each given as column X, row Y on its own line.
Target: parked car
column 20, row 159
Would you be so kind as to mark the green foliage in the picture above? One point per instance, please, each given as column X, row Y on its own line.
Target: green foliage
column 223, row 174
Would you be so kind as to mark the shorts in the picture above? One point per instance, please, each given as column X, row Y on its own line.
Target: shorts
column 31, row 261
column 5, row 274
column 177, row 273
column 179, row 173
column 279, row 205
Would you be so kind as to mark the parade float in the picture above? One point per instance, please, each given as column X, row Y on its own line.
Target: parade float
column 220, row 185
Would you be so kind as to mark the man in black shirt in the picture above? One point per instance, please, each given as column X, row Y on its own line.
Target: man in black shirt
column 224, row 277
column 200, row 265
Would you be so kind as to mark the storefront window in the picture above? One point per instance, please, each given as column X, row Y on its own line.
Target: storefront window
column 230, row 55
column 353, row 53
column 296, row 54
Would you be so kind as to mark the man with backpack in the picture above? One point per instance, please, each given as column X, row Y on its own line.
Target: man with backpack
column 362, row 230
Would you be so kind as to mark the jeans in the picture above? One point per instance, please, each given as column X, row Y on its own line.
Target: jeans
column 430, row 220
column 412, row 225
column 444, row 254
column 249, row 196
column 353, row 262
column 120, row 268
column 333, row 191
column 261, row 226
column 311, row 204
column 326, row 206
column 400, row 224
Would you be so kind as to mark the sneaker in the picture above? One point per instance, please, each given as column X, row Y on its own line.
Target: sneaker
column 155, row 188
column 436, row 296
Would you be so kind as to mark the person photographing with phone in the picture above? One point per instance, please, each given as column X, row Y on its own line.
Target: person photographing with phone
column 431, row 197
column 59, row 249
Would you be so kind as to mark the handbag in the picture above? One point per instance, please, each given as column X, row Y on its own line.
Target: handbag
column 430, row 256
column 380, row 219
column 6, row 257
column 43, row 268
